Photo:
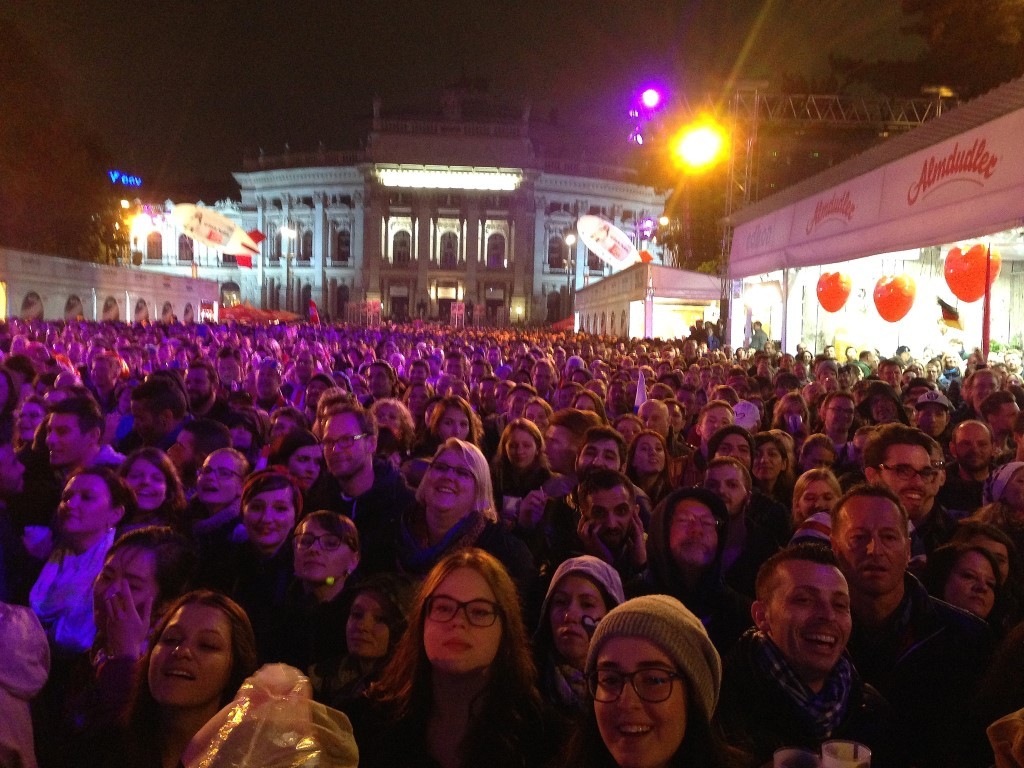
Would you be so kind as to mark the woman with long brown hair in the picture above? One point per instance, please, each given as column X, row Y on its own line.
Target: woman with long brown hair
column 460, row 690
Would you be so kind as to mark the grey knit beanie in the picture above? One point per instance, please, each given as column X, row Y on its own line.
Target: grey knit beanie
column 671, row 626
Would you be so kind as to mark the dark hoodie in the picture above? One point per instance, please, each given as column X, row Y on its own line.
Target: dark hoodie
column 724, row 612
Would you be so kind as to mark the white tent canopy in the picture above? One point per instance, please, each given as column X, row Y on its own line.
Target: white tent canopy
column 958, row 177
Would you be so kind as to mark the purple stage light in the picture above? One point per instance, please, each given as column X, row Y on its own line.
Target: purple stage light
column 650, row 98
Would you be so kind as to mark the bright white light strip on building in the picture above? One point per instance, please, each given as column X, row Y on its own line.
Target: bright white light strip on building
column 424, row 179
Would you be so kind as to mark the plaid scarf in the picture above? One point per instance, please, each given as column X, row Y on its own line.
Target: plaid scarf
column 821, row 712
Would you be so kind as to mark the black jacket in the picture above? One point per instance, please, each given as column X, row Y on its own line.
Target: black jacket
column 376, row 513
column 927, row 670
column 756, row 715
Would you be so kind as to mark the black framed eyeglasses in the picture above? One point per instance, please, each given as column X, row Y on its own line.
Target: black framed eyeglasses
column 479, row 613
column 652, row 685
column 328, row 541
column 906, row 472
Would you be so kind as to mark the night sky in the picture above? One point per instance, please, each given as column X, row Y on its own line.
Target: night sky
column 178, row 92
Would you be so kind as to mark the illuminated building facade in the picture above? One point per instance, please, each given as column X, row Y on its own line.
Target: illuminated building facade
column 429, row 212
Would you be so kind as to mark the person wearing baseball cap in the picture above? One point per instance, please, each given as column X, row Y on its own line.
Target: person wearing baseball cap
column 653, row 677
column 934, row 411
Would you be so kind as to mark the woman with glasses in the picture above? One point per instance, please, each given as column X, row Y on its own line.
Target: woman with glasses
column 460, row 691
column 215, row 513
column 256, row 572
column 325, row 550
column 653, row 677
column 455, row 510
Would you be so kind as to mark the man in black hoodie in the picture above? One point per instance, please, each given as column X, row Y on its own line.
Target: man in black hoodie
column 370, row 491
column 686, row 539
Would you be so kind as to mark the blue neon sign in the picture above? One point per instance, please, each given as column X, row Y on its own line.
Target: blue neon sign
column 127, row 180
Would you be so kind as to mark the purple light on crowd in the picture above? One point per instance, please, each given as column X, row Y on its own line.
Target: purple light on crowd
column 650, row 98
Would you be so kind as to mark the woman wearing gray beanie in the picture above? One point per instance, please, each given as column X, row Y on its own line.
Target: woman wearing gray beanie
column 653, row 677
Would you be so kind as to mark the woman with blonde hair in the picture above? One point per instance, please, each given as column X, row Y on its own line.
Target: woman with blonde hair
column 455, row 510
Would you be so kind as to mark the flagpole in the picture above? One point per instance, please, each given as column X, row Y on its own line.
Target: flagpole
column 986, row 316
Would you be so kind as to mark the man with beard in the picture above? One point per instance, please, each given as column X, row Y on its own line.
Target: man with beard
column 159, row 408
column 201, row 386
column 685, row 545
column 788, row 682
column 609, row 527
column 922, row 654
column 971, row 447
column 909, row 463
column 372, row 492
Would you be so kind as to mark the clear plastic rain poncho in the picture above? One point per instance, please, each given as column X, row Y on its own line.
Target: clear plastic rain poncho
column 273, row 722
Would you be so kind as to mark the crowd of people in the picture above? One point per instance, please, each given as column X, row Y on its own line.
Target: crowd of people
column 506, row 547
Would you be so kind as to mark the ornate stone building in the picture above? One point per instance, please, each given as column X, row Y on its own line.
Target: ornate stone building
column 429, row 212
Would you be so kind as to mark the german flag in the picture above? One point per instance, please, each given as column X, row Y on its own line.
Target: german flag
column 950, row 316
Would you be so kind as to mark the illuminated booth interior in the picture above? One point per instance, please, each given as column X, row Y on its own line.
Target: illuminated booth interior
column 894, row 246
column 648, row 300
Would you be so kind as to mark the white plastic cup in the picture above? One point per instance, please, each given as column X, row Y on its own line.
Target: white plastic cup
column 845, row 754
column 794, row 757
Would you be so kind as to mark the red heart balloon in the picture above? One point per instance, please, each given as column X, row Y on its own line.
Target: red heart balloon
column 965, row 272
column 833, row 290
column 894, row 296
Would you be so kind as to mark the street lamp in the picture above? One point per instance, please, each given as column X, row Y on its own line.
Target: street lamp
column 287, row 232
column 570, row 268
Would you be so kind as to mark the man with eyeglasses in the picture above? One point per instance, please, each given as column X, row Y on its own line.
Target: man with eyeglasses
column 368, row 490
column 909, row 463
column 788, row 682
column 685, row 545
column 922, row 654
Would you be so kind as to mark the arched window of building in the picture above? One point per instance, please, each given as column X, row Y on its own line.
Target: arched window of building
column 496, row 251
column 141, row 311
column 73, row 309
column 154, row 247
column 625, row 327
column 185, row 248
column 111, row 311
column 401, row 248
column 167, row 313
column 306, row 251
column 189, row 315
column 342, row 246
column 449, row 251
column 557, row 250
